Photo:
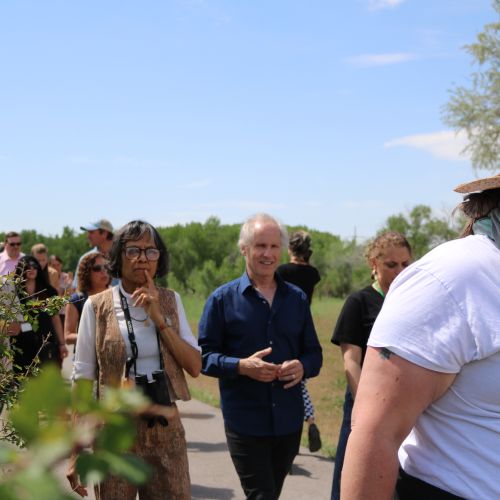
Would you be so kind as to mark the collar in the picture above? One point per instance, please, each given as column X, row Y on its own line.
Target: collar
column 246, row 283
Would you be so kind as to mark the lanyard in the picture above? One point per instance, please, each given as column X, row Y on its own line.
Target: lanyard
column 131, row 336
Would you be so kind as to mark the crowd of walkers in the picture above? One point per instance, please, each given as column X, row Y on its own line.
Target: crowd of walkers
column 420, row 347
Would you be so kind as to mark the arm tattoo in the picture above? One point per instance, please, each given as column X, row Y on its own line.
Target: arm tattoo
column 385, row 353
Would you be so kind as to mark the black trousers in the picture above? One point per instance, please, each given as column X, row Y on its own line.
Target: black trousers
column 262, row 463
column 411, row 488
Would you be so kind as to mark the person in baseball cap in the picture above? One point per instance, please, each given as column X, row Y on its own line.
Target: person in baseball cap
column 100, row 236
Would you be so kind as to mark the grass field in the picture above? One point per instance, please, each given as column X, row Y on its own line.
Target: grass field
column 327, row 390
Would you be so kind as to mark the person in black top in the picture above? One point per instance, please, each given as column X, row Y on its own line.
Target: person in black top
column 387, row 255
column 46, row 340
column 300, row 273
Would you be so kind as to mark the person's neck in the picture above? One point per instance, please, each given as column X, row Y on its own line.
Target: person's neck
column 298, row 260
column 30, row 286
column 129, row 287
column 93, row 291
column 105, row 247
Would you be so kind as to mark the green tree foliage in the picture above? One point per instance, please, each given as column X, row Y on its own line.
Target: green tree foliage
column 423, row 230
column 205, row 255
column 476, row 110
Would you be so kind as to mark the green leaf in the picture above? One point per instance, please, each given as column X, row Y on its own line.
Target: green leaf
column 128, row 466
column 118, row 434
column 45, row 394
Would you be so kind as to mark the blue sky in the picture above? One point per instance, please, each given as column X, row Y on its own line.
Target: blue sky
column 323, row 113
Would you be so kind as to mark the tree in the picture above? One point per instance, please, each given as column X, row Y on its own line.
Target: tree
column 423, row 230
column 476, row 110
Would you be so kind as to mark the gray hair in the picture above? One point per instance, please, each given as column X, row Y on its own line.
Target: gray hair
column 248, row 229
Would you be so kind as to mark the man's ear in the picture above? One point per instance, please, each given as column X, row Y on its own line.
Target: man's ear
column 243, row 251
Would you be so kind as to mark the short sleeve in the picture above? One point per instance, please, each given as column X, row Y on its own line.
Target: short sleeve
column 85, row 362
column 184, row 328
column 421, row 322
column 348, row 329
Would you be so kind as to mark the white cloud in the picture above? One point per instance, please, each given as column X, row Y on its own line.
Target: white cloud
column 445, row 144
column 368, row 60
column 383, row 4
column 254, row 206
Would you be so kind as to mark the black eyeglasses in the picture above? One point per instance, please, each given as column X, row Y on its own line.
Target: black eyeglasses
column 15, row 244
column 133, row 253
column 100, row 267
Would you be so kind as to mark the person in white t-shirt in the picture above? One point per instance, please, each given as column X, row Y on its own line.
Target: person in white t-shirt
column 428, row 402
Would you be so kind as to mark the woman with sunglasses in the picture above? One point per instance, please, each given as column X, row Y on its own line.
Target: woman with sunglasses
column 137, row 330
column 93, row 277
column 46, row 341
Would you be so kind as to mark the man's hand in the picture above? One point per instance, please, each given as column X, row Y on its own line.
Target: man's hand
column 254, row 367
column 291, row 372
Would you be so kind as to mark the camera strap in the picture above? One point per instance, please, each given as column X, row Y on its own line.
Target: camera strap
column 131, row 336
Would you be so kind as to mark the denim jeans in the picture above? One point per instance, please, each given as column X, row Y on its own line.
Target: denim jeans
column 345, row 430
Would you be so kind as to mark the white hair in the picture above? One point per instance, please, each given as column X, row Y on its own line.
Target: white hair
column 248, row 229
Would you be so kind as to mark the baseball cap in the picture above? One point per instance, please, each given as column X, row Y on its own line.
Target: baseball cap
column 100, row 224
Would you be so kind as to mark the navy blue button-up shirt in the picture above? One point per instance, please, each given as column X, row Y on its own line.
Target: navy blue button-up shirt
column 237, row 322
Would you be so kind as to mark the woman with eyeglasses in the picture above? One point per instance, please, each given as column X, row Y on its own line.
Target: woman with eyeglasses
column 93, row 277
column 138, row 331
column 44, row 341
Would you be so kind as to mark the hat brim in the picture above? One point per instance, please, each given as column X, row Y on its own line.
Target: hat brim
column 479, row 185
column 89, row 228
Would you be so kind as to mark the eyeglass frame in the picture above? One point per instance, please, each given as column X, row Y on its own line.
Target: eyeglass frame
column 141, row 251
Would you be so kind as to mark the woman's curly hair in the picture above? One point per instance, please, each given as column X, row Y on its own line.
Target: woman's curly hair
column 85, row 270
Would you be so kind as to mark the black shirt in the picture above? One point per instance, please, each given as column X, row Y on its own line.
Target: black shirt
column 303, row 276
column 357, row 317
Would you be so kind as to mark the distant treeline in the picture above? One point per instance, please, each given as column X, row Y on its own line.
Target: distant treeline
column 205, row 255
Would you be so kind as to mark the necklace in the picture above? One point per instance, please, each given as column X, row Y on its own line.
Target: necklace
column 143, row 320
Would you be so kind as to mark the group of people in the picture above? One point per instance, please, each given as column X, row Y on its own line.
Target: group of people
column 421, row 351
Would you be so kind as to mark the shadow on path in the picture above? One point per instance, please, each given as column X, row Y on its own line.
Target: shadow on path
column 207, row 493
column 199, row 416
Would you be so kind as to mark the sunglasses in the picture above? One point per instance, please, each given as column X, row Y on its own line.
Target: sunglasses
column 30, row 266
column 15, row 244
column 99, row 267
column 132, row 253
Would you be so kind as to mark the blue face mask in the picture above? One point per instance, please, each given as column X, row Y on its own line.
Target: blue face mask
column 489, row 226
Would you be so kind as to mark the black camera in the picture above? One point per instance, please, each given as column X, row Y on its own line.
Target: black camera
column 157, row 390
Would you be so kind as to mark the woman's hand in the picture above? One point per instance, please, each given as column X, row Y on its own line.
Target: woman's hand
column 74, row 478
column 147, row 296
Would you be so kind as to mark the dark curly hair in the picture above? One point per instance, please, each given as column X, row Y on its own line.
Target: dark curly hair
column 85, row 270
column 134, row 231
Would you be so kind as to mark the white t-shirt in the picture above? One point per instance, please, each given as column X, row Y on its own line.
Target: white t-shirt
column 443, row 313
column 85, row 364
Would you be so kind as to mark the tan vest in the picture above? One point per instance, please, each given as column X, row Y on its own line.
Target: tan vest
column 111, row 350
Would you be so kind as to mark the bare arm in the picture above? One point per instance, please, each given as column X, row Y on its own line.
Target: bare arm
column 392, row 393
column 186, row 355
column 352, row 365
column 71, row 324
column 56, row 323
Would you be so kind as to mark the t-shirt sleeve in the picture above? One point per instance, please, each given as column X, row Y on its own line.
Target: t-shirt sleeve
column 184, row 328
column 348, row 329
column 85, row 362
column 421, row 322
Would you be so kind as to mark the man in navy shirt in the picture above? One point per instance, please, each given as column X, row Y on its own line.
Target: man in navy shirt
column 257, row 336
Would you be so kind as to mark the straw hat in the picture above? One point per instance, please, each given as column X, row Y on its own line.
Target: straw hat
column 479, row 185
